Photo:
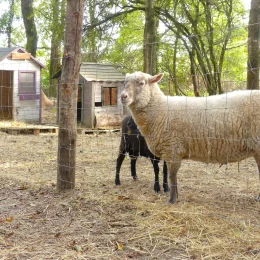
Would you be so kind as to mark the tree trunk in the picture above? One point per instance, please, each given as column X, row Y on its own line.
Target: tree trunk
column 150, row 39
column 92, row 34
column 9, row 27
column 68, row 96
column 174, row 68
column 29, row 24
column 253, row 46
column 56, row 39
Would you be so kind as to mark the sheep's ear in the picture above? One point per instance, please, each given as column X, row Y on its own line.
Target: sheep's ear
column 156, row 78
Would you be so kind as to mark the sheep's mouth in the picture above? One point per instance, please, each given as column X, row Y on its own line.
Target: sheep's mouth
column 125, row 102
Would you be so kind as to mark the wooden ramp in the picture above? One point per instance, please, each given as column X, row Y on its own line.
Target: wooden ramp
column 36, row 130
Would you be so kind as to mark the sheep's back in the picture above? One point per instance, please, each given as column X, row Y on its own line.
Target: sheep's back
column 223, row 128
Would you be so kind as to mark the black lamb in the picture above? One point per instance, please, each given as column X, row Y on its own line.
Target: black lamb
column 133, row 143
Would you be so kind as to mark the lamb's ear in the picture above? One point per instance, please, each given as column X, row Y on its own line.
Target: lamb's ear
column 156, row 78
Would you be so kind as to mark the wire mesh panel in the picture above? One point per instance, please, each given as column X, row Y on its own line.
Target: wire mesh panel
column 216, row 215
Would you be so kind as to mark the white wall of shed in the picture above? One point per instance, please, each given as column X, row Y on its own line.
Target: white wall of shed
column 24, row 110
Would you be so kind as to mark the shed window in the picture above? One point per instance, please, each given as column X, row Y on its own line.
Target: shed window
column 26, row 82
column 109, row 96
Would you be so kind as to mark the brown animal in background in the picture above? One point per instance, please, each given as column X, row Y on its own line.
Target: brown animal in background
column 46, row 102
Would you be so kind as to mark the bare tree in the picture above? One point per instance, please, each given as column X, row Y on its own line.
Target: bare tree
column 68, row 95
column 150, row 38
column 9, row 26
column 253, row 46
column 29, row 24
column 57, row 36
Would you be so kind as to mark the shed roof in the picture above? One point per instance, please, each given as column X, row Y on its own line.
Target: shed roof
column 94, row 72
column 6, row 52
column 100, row 72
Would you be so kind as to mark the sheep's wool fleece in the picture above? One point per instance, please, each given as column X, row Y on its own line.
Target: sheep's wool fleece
column 219, row 129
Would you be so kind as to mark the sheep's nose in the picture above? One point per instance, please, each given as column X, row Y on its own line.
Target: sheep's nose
column 123, row 96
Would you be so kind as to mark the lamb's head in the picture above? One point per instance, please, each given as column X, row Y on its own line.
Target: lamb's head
column 139, row 88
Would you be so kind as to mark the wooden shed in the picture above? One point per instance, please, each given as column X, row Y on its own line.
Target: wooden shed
column 99, row 91
column 20, row 85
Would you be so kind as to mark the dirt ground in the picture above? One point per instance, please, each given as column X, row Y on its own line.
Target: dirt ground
column 216, row 217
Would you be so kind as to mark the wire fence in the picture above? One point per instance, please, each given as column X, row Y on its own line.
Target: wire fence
column 216, row 217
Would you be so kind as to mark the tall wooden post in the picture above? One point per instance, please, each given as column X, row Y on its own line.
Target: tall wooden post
column 68, row 95
column 253, row 46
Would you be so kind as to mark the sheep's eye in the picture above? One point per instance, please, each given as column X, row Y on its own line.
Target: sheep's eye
column 141, row 83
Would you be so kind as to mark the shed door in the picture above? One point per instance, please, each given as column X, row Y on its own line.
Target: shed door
column 6, row 94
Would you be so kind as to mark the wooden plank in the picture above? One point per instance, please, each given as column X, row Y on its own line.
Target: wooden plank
column 21, row 56
column 101, row 131
column 36, row 131
column 106, row 92
column 114, row 96
column 12, row 132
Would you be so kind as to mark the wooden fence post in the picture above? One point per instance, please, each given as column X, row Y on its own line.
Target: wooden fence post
column 68, row 95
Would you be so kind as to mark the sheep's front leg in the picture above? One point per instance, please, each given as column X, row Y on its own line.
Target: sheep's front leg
column 257, row 159
column 173, row 168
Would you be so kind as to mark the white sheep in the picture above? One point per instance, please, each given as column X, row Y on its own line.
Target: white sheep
column 216, row 129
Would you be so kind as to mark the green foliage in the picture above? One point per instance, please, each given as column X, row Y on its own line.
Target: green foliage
column 202, row 27
column 127, row 48
column 205, row 29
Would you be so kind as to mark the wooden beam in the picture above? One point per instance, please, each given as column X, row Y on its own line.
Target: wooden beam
column 21, row 56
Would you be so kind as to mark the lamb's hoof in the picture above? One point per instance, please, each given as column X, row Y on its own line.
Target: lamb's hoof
column 135, row 178
column 258, row 198
column 157, row 187
column 117, row 182
column 166, row 187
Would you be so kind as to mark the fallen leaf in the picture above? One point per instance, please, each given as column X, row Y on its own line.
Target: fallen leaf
column 23, row 188
column 78, row 248
column 10, row 219
column 10, row 234
column 120, row 246
column 123, row 198
column 57, row 235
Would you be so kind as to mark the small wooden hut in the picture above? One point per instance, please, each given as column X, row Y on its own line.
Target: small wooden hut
column 20, row 85
column 99, row 91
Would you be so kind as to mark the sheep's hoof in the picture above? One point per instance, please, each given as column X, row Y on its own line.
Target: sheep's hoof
column 258, row 198
column 172, row 201
column 173, row 196
column 117, row 182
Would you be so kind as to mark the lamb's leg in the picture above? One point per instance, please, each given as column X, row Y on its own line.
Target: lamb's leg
column 173, row 168
column 155, row 164
column 133, row 167
column 119, row 162
column 257, row 159
column 165, row 177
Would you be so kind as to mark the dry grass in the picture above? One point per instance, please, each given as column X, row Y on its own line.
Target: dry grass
column 216, row 217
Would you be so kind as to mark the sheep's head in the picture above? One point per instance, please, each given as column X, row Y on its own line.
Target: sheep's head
column 138, row 89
